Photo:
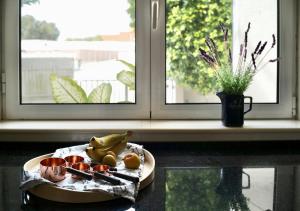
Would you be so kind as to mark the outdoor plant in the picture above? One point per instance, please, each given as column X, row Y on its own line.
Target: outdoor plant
column 235, row 81
column 67, row 90
column 127, row 77
column 187, row 24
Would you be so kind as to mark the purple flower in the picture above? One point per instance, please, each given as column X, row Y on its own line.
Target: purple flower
column 210, row 60
column 246, row 35
column 226, row 35
column 203, row 52
column 222, row 27
column 274, row 60
column 210, row 44
column 257, row 47
column 253, row 60
column 229, row 56
column 245, row 54
column 241, row 49
column 262, row 48
column 248, row 28
column 274, row 41
column 246, row 39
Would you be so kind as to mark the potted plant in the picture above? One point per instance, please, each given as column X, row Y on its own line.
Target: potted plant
column 234, row 82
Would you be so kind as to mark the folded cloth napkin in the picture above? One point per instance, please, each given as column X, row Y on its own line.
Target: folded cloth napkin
column 127, row 189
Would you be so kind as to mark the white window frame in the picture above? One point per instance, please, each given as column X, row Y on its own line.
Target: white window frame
column 150, row 63
column 287, row 51
column 13, row 109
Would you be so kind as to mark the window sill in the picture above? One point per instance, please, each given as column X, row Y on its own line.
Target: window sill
column 149, row 130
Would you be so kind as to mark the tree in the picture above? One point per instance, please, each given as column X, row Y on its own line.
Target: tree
column 188, row 22
column 201, row 195
column 131, row 12
column 196, row 189
column 29, row 2
column 93, row 38
column 34, row 29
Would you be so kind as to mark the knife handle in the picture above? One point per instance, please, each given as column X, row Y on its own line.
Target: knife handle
column 112, row 180
column 79, row 173
column 125, row 176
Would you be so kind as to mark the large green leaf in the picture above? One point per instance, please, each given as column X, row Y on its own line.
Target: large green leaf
column 66, row 90
column 127, row 78
column 101, row 94
column 129, row 65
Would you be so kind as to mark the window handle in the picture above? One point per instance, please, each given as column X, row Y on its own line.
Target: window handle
column 155, row 9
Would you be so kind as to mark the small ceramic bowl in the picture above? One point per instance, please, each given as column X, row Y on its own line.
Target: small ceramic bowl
column 53, row 169
column 72, row 159
column 81, row 167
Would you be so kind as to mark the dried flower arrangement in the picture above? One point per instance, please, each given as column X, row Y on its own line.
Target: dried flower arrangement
column 235, row 82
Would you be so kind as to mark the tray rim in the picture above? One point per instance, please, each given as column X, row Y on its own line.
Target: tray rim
column 145, row 181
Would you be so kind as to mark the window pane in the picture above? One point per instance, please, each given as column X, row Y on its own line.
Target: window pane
column 79, row 51
column 263, row 18
column 188, row 22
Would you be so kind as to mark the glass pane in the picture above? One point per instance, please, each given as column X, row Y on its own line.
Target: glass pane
column 79, row 51
column 188, row 23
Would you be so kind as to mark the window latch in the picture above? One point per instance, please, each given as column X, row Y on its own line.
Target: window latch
column 155, row 12
column 294, row 106
column 3, row 83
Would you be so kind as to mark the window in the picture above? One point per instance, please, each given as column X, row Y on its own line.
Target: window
column 86, row 58
column 137, row 59
column 188, row 79
column 183, row 91
column 63, row 53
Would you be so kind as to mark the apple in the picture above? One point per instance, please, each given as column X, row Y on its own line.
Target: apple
column 132, row 161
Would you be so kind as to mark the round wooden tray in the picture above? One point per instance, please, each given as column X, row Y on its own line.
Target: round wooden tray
column 58, row 194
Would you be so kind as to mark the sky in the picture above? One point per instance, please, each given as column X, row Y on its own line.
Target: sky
column 82, row 18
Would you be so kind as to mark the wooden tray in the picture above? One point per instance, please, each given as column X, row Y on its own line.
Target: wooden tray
column 58, row 194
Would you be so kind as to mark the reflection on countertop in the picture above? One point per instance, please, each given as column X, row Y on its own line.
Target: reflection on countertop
column 188, row 176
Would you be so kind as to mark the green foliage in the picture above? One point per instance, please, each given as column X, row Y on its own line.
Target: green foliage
column 188, row 23
column 195, row 189
column 29, row 2
column 127, row 77
column 131, row 12
column 101, row 94
column 233, row 83
column 192, row 189
column 129, row 65
column 66, row 90
column 94, row 38
column 34, row 29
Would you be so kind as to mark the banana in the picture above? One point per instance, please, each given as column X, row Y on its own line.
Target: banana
column 109, row 140
column 95, row 154
column 98, row 147
column 117, row 149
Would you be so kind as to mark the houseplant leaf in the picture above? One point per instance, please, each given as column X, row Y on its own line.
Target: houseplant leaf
column 66, row 90
column 101, row 94
column 129, row 65
column 127, row 78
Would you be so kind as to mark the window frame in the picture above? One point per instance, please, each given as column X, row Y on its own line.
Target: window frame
column 13, row 108
column 150, row 100
column 287, row 52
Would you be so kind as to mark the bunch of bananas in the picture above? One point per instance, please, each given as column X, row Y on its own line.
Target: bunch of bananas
column 100, row 146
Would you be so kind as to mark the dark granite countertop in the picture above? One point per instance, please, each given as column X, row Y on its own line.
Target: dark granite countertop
column 188, row 176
